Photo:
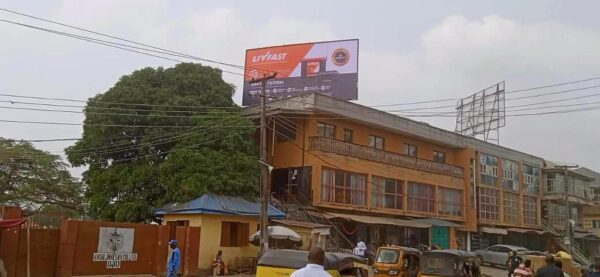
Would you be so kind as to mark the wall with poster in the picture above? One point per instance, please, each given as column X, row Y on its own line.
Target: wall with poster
column 322, row 67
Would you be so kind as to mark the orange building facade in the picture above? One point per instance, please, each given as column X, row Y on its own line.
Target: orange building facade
column 386, row 179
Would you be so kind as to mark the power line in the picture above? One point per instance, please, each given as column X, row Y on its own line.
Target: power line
column 131, row 41
column 509, row 99
column 508, row 92
column 106, row 125
column 116, row 103
column 114, row 109
column 134, row 145
column 219, row 115
column 107, row 43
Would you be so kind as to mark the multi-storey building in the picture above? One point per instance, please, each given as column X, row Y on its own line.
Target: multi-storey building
column 383, row 178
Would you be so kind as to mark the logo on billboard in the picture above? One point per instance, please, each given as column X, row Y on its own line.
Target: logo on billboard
column 268, row 57
column 340, row 56
column 115, row 245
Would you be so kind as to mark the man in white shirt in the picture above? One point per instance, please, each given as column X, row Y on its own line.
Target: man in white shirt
column 315, row 266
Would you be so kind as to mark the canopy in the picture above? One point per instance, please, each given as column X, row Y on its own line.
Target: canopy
column 436, row 222
column 277, row 233
column 524, row 231
column 491, row 230
column 12, row 222
column 381, row 220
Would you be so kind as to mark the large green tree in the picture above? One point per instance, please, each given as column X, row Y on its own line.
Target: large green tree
column 139, row 160
column 34, row 179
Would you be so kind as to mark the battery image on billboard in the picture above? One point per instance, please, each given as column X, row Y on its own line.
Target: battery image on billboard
column 328, row 67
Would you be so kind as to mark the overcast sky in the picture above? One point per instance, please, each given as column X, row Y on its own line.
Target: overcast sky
column 409, row 51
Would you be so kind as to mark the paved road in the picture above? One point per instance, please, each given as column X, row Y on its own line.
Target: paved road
column 494, row 271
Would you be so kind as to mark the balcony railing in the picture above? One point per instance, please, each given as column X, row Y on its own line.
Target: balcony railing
column 558, row 187
column 381, row 156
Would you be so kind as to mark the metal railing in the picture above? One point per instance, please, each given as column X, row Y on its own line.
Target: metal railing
column 577, row 251
column 554, row 186
column 382, row 156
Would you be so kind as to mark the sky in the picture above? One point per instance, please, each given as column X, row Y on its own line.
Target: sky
column 409, row 51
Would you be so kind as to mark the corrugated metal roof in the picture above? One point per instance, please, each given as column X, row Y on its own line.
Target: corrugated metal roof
column 218, row 204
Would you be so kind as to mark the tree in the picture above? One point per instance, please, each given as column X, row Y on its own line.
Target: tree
column 138, row 161
column 34, row 179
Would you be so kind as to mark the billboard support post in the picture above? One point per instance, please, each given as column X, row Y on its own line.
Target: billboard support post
column 264, row 172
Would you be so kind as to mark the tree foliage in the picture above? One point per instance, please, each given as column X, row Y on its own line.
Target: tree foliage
column 34, row 179
column 134, row 169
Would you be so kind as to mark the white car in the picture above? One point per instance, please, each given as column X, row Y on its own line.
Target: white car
column 498, row 254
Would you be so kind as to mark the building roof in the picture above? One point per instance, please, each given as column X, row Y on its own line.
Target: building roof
column 220, row 205
column 591, row 174
column 315, row 103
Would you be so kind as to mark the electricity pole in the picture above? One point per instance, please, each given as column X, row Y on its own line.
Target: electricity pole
column 569, row 227
column 264, row 173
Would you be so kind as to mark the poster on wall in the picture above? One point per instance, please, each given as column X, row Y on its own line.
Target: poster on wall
column 115, row 245
column 329, row 68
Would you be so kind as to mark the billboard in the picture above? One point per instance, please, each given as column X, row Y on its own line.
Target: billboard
column 323, row 67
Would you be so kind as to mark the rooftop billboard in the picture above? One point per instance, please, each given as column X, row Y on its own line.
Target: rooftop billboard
column 329, row 68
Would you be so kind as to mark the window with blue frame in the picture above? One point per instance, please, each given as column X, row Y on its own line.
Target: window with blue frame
column 510, row 172
column 488, row 168
column 531, row 178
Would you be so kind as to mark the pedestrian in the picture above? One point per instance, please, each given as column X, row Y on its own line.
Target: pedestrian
column 524, row 269
column 550, row 269
column 596, row 272
column 559, row 264
column 173, row 259
column 315, row 266
column 513, row 262
column 219, row 265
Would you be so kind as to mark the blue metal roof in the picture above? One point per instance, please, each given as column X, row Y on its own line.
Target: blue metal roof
column 219, row 204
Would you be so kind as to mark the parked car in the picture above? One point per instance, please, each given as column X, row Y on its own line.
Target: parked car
column 498, row 254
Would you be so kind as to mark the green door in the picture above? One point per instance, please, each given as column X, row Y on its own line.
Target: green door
column 439, row 237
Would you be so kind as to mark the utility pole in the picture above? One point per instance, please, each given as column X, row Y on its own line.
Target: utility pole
column 264, row 170
column 569, row 227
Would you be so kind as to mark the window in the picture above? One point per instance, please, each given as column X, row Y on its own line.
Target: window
column 488, row 169
column 489, row 204
column 595, row 224
column 510, row 172
column 343, row 187
column 421, row 197
column 348, row 135
column 375, row 142
column 439, row 157
column 386, row 193
column 234, row 234
column 530, row 210
column 410, row 150
column 285, row 131
column 557, row 214
column 511, row 207
column 531, row 178
column 325, row 130
column 451, row 202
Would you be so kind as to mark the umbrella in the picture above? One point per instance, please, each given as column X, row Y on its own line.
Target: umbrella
column 278, row 235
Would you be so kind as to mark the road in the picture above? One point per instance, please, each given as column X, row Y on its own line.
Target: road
column 494, row 271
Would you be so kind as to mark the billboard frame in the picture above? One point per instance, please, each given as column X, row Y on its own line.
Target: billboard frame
column 482, row 114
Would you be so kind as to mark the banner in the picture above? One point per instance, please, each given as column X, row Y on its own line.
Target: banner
column 329, row 68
